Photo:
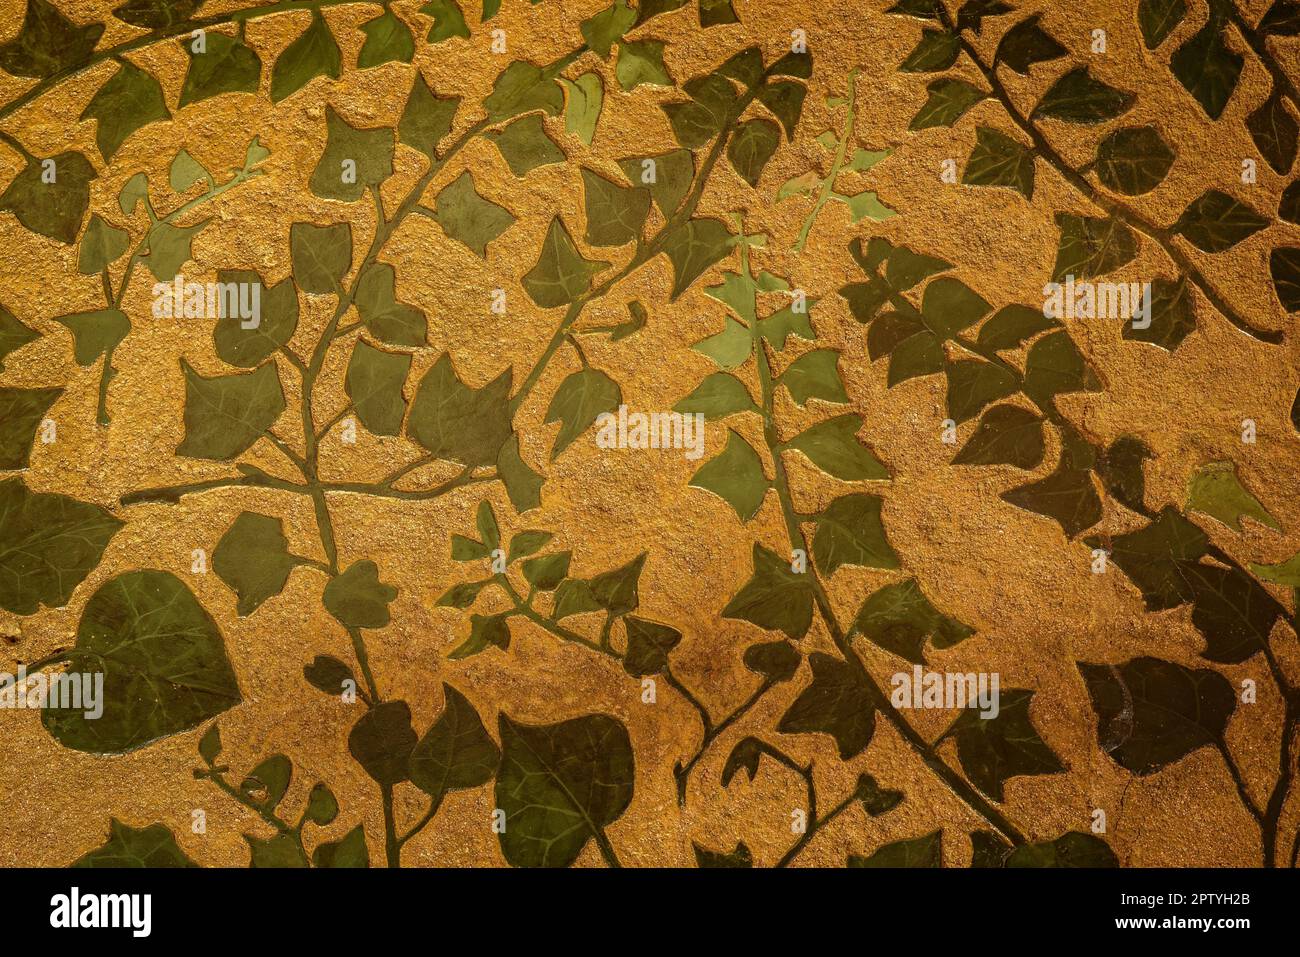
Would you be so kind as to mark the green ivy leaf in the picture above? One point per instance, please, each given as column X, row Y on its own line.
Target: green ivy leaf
column 834, row 448
column 48, row 42
column 648, row 646
column 1074, row 849
column 752, row 146
column 925, row 851
column 1007, row 435
column 1215, row 221
column 1013, row 325
column 456, row 752
column 427, row 118
column 735, row 476
column 641, row 61
column 170, row 248
column 740, row 857
column 1091, row 246
column 277, row 321
column 523, row 88
column 994, row 749
column 13, row 335
column 718, row 396
column 560, row 785
column 777, row 661
column 382, row 741
column 358, row 599
column 152, row 846
column 467, row 217
column 101, row 246
column 321, row 256
column 606, row 28
column 349, row 851
column 999, row 160
column 458, row 423
column 390, row 321
column 1078, row 98
column 546, row 573
column 525, row 146
column 354, row 160
column 973, row 384
column 1216, row 490
column 523, row 485
column 56, row 209
column 580, row 399
column 163, row 661
column 1134, row 160
column 1067, row 495
column 96, row 333
column 1026, row 44
column 785, row 99
column 226, row 65
column 949, row 100
column 1206, row 66
column 1173, row 315
column 1284, row 270
column 670, row 177
column 130, row 100
column 388, row 39
column 899, row 618
column 315, row 53
column 253, row 559
column 374, row 384
column 267, row 783
column 775, row 597
column 585, row 96
column 1055, row 367
column 327, row 674
column 49, row 543
column 693, row 247
column 936, row 51
column 1275, row 132
column 561, row 274
column 615, row 214
column 1159, row 18
column 448, row 21
column 225, row 415
column 1152, row 713
column 850, row 532
column 815, row 375
column 837, row 703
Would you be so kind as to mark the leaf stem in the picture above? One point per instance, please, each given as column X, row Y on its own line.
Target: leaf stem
column 837, row 165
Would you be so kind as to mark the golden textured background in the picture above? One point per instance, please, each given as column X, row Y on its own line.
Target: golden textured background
column 1012, row 575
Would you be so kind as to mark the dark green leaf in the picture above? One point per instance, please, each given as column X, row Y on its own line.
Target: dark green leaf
column 648, row 645
column 1007, row 435
column 834, row 448
column 277, row 320
column 1091, row 246
column 354, row 159
column 718, row 396
column 740, row 857
column 973, row 384
column 390, row 321
column 163, row 663
column 1134, row 160
column 899, row 618
column 49, row 543
column 1074, row 849
column 1066, row 495
column 1216, row 221
column 52, row 209
column 458, row 423
column 775, row 597
column 1078, row 98
column 152, row 846
column 693, row 247
column 327, row 674
column 948, row 101
column 560, row 785
column 523, row 88
column 253, row 559
column 382, row 741
column 1206, row 66
column 357, row 598
column 561, row 274
column 994, row 749
column 837, row 703
column 546, row 573
column 580, row 399
column 1275, row 132
column 1159, row 18
column 850, row 532
column 641, row 61
column 1284, row 269
column 348, row 851
column 314, row 53
column 615, row 214
column 525, row 145
column 1152, row 713
column 101, row 246
column 388, row 39
column 226, row 65
column 225, row 415
column 456, row 752
column 467, row 217
column 48, row 42
column 753, row 144
column 1026, row 44
column 776, row 661
column 13, row 335
column 735, row 476
column 1012, row 325
column 926, row 851
column 322, row 256
column 936, row 51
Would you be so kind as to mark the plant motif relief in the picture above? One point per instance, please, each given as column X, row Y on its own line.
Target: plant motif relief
column 610, row 430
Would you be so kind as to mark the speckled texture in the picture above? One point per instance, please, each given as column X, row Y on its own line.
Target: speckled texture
column 1011, row 574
